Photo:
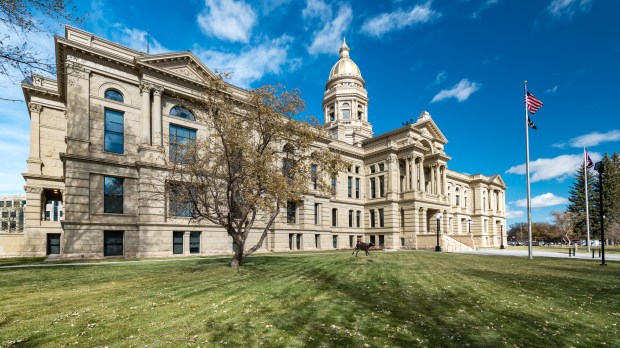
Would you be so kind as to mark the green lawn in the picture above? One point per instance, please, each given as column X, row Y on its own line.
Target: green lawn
column 404, row 299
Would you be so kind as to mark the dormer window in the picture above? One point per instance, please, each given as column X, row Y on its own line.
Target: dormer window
column 113, row 94
column 183, row 112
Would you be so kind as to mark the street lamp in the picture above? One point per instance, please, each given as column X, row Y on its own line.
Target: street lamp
column 501, row 233
column 469, row 225
column 438, row 217
column 600, row 168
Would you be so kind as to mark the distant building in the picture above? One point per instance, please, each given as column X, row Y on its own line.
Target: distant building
column 98, row 133
column 12, row 213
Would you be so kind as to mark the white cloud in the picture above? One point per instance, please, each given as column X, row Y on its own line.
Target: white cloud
column 513, row 214
column 137, row 39
column 227, row 20
column 441, row 77
column 591, row 139
column 251, row 64
column 329, row 38
column 545, row 200
column 484, row 6
column 568, row 8
column 559, row 168
column 317, row 9
column 461, row 91
column 387, row 22
column 552, row 90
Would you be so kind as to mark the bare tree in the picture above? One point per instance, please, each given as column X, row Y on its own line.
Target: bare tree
column 255, row 161
column 565, row 221
column 22, row 19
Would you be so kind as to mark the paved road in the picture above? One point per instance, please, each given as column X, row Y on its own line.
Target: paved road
column 535, row 254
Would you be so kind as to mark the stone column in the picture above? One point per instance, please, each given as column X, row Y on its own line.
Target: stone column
column 34, row 159
column 406, row 181
column 145, row 137
column 444, row 180
column 422, row 178
column 156, row 126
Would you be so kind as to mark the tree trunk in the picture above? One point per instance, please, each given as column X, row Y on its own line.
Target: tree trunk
column 237, row 258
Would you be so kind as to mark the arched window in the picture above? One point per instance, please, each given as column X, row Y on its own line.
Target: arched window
column 346, row 111
column 180, row 111
column 113, row 94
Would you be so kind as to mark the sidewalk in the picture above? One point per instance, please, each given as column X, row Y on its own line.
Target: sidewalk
column 535, row 254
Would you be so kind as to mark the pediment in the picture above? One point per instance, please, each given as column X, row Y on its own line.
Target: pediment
column 181, row 63
column 496, row 179
column 429, row 129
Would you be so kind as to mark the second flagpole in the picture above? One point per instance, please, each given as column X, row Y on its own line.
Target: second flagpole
column 527, row 173
column 585, row 185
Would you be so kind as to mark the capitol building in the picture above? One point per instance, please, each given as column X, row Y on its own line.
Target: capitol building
column 98, row 131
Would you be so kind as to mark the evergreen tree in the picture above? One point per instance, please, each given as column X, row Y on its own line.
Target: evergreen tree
column 611, row 189
column 577, row 203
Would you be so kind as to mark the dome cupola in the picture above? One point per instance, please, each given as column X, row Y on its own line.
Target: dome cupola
column 345, row 67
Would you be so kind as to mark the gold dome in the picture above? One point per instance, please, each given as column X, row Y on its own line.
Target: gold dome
column 345, row 66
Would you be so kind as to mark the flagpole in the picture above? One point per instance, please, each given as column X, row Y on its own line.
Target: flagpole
column 527, row 173
column 585, row 178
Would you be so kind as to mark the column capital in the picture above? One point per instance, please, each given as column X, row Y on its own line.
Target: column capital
column 157, row 90
column 146, row 87
column 33, row 107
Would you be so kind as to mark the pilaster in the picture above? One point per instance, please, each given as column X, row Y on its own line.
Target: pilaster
column 34, row 159
column 157, row 121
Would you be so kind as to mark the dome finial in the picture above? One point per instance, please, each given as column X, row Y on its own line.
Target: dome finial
column 344, row 49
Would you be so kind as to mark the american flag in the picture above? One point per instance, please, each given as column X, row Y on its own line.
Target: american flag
column 589, row 163
column 532, row 103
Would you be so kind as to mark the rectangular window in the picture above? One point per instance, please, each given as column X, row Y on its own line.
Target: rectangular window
column 381, row 186
column 381, row 240
column 299, row 242
column 381, row 167
column 177, row 243
column 291, row 240
column 5, row 214
column 317, row 208
column 372, row 188
column 53, row 243
column 357, row 188
column 373, row 240
column 372, row 218
column 402, row 242
column 113, row 195
column 114, row 132
column 372, row 169
column 317, row 241
column 334, row 181
column 381, row 217
column 458, row 201
column 350, row 187
column 291, row 212
column 1, row 204
column 350, row 218
column 465, row 201
column 358, row 217
column 335, row 242
column 113, row 243
column 334, row 217
column 351, row 241
column 357, row 169
column 313, row 176
column 180, row 201
column 180, row 138
column 194, row 242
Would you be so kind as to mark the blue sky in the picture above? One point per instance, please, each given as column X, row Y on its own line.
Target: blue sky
column 462, row 61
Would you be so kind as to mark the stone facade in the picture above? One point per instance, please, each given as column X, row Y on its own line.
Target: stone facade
column 395, row 194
